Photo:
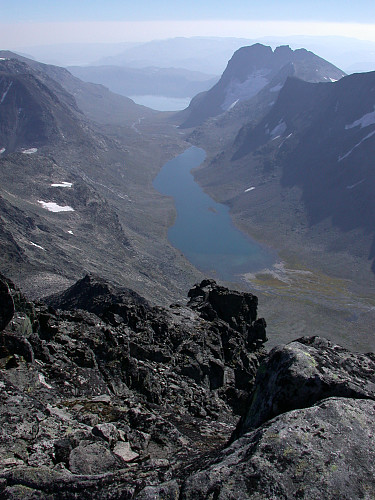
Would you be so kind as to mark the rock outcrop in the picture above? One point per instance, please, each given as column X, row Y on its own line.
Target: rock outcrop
column 99, row 382
column 324, row 451
column 308, row 433
column 306, row 371
column 104, row 396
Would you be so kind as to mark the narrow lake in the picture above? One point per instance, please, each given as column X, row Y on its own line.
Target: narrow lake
column 162, row 103
column 203, row 229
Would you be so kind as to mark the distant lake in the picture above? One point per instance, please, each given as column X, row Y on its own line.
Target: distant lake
column 203, row 229
column 162, row 103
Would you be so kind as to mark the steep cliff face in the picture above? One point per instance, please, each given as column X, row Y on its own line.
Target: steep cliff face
column 252, row 69
column 106, row 396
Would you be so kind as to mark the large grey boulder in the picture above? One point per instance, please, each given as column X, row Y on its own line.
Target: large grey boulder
column 326, row 451
column 93, row 458
column 299, row 374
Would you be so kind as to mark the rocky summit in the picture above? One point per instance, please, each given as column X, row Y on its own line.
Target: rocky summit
column 104, row 395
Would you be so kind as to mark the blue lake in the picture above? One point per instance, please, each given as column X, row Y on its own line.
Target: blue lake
column 162, row 103
column 203, row 229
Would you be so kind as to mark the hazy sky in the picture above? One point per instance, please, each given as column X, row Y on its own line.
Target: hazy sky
column 33, row 22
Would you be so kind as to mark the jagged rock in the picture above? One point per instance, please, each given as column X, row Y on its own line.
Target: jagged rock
column 127, row 400
column 107, row 431
column 93, row 458
column 124, row 451
column 305, row 371
column 6, row 304
column 326, row 451
column 117, row 381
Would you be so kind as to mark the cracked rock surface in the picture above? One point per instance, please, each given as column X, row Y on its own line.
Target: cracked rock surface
column 104, row 396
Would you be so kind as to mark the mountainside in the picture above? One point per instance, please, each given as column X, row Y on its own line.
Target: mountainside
column 109, row 397
column 32, row 112
column 146, row 81
column 252, row 69
column 67, row 182
column 324, row 135
column 95, row 101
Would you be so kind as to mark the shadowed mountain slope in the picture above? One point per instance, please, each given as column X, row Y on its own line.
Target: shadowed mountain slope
column 249, row 71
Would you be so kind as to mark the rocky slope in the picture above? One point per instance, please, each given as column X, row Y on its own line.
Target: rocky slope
column 249, row 71
column 67, row 181
column 95, row 101
column 107, row 382
column 105, row 396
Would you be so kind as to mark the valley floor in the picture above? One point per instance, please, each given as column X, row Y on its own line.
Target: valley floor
column 318, row 286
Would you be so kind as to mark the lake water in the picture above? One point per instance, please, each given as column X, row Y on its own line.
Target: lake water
column 203, row 229
column 162, row 103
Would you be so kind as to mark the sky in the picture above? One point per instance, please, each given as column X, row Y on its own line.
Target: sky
column 35, row 22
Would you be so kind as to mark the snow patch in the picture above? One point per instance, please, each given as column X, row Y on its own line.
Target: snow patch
column 340, row 158
column 249, row 189
column 37, row 246
column 42, row 380
column 279, row 129
column 29, row 151
column 5, row 93
column 333, row 80
column 365, row 121
column 54, row 207
column 233, row 104
column 356, row 184
column 62, row 185
column 241, row 91
column 70, row 232
column 277, row 87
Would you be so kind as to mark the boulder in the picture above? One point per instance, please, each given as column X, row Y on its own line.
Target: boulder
column 303, row 372
column 93, row 458
column 325, row 451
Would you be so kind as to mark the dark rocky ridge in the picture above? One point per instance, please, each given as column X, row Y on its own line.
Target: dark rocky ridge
column 130, row 380
column 111, row 397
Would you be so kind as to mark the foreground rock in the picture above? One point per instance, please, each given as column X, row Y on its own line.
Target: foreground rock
column 326, row 451
column 308, row 433
column 303, row 372
column 118, row 388
column 103, row 396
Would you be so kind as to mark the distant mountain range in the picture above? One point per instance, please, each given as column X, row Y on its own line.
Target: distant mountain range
column 252, row 69
column 204, row 54
column 125, row 81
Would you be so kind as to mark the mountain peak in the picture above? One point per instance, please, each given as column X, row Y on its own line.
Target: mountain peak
column 250, row 70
